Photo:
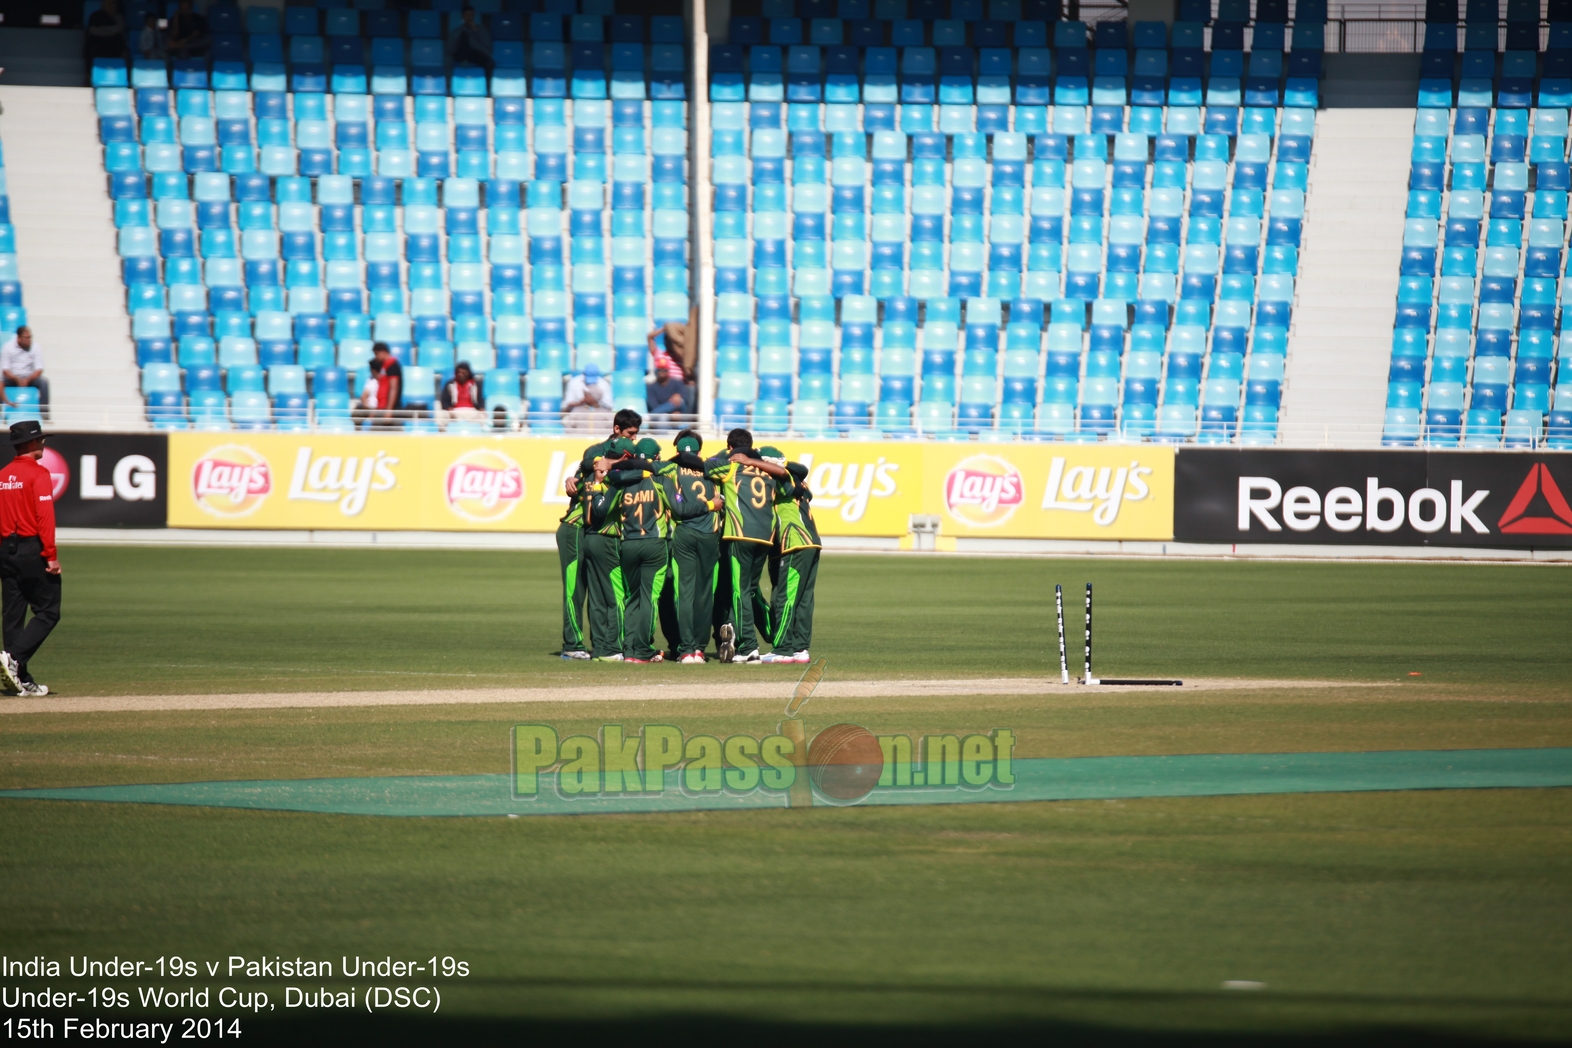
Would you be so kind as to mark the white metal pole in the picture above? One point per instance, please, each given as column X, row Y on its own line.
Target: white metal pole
column 703, row 246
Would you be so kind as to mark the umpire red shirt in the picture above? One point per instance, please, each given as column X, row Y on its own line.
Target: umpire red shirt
column 27, row 502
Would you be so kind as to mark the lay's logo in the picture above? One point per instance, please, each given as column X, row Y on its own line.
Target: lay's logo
column 484, row 485
column 983, row 491
column 231, row 481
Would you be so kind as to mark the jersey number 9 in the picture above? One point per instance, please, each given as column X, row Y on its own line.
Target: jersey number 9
column 759, row 491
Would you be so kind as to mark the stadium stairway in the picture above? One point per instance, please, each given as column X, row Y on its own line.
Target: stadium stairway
column 1335, row 385
column 66, row 256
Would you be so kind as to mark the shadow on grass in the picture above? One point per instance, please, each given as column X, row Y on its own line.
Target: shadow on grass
column 709, row 1029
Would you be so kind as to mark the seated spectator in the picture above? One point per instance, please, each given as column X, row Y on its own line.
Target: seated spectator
column 105, row 35
column 669, row 395
column 681, row 347
column 22, row 366
column 470, row 42
column 586, row 403
column 187, row 36
column 150, row 42
column 461, row 397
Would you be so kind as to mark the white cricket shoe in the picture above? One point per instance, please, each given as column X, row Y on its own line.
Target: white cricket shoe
column 693, row 658
column 660, row 656
column 10, row 675
column 752, row 658
column 801, row 656
column 33, row 689
column 775, row 657
column 728, row 642
column 615, row 657
column 575, row 655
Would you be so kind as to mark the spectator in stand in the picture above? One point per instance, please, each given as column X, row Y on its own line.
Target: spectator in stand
column 22, row 366
column 462, row 397
column 105, row 35
column 388, row 378
column 669, row 395
column 188, row 36
column 150, row 42
column 681, row 345
column 368, row 391
column 470, row 42
column 586, row 403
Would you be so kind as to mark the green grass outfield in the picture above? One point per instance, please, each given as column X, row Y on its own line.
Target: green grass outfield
column 1423, row 916
column 143, row 621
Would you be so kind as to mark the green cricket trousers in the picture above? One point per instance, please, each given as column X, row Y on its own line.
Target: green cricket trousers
column 745, row 563
column 791, row 605
column 569, row 539
column 644, row 564
column 690, row 589
column 600, row 567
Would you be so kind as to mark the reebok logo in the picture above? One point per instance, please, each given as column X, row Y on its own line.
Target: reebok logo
column 1539, row 492
column 1461, row 498
column 1346, row 509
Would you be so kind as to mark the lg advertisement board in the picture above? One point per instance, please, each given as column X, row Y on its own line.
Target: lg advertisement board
column 1368, row 498
column 107, row 480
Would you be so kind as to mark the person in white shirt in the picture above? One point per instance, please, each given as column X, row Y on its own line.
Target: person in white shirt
column 22, row 366
column 586, row 403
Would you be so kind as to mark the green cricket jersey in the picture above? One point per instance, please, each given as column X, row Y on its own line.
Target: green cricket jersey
column 805, row 501
column 645, row 513
column 750, row 501
column 593, row 452
column 586, row 472
column 605, row 509
column 690, row 494
column 794, row 528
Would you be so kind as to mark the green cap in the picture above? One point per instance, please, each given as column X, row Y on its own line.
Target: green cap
column 648, row 448
column 772, row 454
column 690, row 443
column 620, row 445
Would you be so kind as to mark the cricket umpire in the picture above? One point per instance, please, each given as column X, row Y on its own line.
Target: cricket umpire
column 29, row 564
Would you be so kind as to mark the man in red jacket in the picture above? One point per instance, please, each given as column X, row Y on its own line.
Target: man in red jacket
column 29, row 565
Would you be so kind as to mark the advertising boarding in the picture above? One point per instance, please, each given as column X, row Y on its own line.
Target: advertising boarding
column 106, row 480
column 512, row 483
column 1395, row 498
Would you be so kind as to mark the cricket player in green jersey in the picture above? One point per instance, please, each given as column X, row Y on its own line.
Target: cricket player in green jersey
column 693, row 506
column 748, row 485
column 720, row 602
column 695, row 547
column 646, row 553
column 602, row 561
column 797, row 541
column 570, row 534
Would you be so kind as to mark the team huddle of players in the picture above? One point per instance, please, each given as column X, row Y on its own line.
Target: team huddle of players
column 686, row 541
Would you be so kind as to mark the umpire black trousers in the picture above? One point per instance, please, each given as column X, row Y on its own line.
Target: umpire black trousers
column 25, row 584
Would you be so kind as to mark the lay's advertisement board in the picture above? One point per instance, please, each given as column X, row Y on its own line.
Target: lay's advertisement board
column 511, row 483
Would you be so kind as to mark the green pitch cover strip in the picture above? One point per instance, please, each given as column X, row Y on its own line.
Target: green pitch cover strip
column 1036, row 779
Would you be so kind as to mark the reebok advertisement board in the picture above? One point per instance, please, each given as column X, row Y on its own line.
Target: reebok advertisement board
column 486, row 483
column 106, row 480
column 1366, row 498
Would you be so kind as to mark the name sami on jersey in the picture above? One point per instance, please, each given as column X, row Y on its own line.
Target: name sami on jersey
column 630, row 498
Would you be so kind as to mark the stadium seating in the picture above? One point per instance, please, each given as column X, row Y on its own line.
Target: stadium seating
column 946, row 225
column 13, row 314
column 1474, row 344
column 270, row 230
column 1075, row 242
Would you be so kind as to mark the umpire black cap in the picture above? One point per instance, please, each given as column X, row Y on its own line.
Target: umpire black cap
column 23, row 432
